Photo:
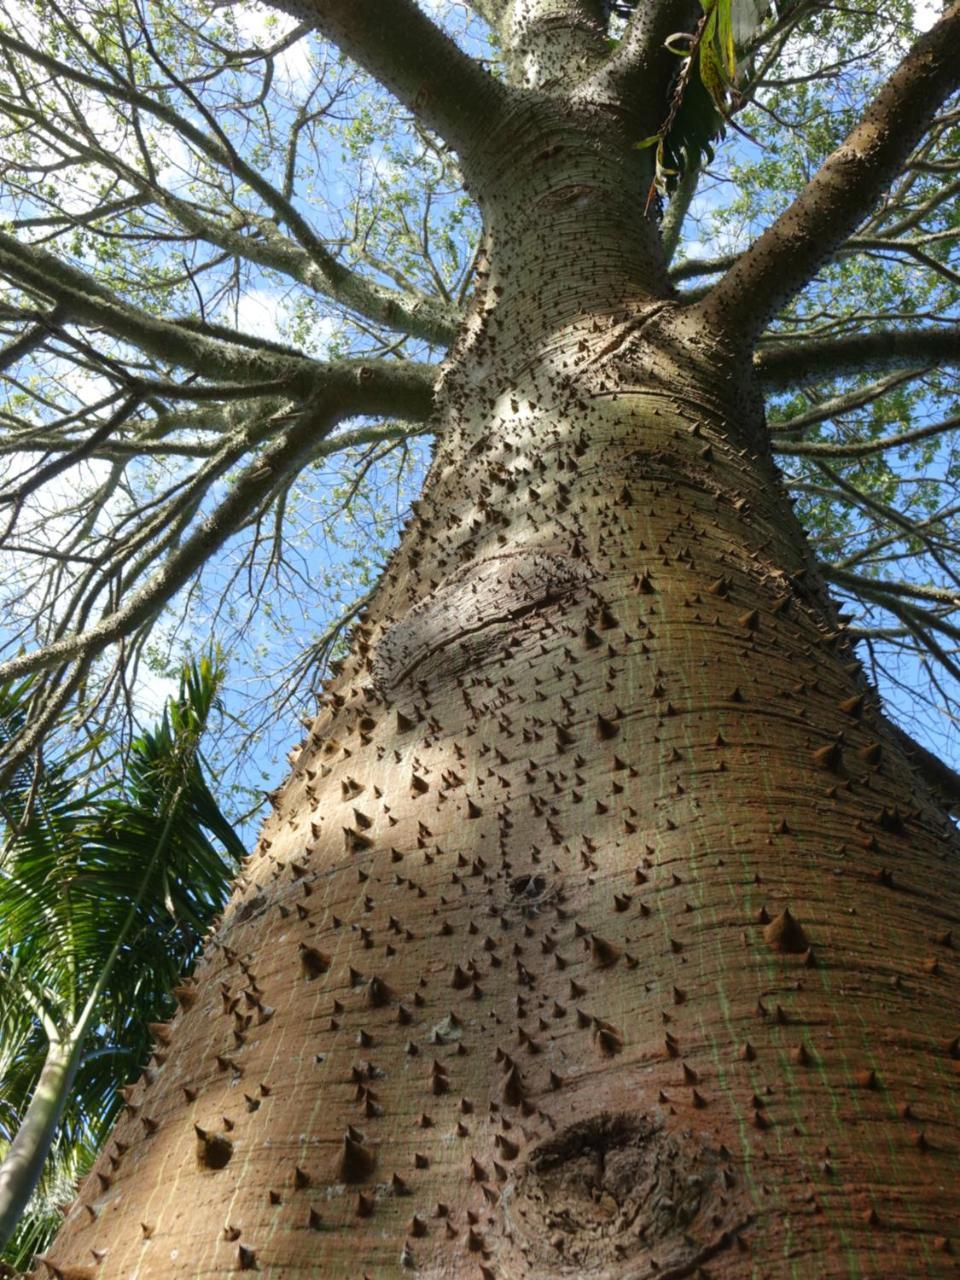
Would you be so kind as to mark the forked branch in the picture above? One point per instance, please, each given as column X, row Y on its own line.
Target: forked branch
column 641, row 71
column 845, row 188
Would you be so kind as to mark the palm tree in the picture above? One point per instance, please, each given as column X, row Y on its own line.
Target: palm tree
column 105, row 896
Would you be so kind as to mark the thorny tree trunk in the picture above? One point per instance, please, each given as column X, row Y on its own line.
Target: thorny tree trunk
column 602, row 928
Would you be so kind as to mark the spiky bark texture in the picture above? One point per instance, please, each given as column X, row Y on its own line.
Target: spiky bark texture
column 602, row 928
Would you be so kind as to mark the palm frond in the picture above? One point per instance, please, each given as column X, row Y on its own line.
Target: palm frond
column 106, row 888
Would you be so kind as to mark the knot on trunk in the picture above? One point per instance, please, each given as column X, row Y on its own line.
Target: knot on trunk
column 618, row 1192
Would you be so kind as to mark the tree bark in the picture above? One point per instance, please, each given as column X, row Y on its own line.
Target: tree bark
column 603, row 927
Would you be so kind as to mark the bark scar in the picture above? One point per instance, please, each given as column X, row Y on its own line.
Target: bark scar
column 625, row 332
column 438, row 637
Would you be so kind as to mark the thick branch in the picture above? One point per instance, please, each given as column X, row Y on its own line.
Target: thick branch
column 84, row 300
column 29, row 340
column 677, row 209
column 411, row 56
column 694, row 267
column 783, row 365
column 640, row 73
column 856, row 244
column 553, row 43
column 846, row 187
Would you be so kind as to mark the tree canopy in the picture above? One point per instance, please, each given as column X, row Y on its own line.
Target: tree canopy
column 237, row 243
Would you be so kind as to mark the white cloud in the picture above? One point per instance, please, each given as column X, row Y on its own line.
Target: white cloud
column 259, row 312
column 150, row 694
column 26, row 22
column 262, row 26
column 926, row 13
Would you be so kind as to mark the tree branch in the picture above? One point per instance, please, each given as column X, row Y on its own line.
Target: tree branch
column 641, row 71
column 422, row 67
column 846, row 402
column 419, row 315
column 304, row 258
column 553, row 43
column 925, row 530
column 677, row 209
column 782, row 365
column 694, row 267
column 846, row 187
column 372, row 389
column 50, row 470
column 491, row 11
column 886, row 514
column 862, row 448
column 29, row 340
column 890, row 586
column 83, row 299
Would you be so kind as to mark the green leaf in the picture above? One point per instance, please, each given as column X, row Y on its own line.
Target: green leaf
column 725, row 40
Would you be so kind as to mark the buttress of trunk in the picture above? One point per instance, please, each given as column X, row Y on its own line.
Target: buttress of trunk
column 601, row 928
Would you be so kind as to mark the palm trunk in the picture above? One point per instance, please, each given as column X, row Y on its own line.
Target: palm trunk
column 602, row 928
column 23, row 1161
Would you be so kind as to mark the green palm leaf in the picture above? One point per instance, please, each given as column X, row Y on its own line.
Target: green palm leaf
column 105, row 894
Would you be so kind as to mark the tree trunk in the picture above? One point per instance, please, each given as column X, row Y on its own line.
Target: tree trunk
column 24, row 1159
column 602, row 928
